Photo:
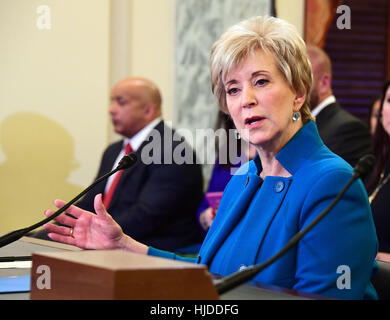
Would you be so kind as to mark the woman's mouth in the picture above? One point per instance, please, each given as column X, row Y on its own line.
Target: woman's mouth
column 253, row 122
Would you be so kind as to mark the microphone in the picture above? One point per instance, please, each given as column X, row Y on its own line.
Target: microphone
column 126, row 162
column 227, row 283
column 364, row 165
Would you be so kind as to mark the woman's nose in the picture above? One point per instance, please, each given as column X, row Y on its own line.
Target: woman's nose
column 248, row 97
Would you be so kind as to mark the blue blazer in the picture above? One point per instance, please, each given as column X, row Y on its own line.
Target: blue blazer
column 257, row 217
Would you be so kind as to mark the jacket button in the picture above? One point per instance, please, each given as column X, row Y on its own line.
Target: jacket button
column 279, row 186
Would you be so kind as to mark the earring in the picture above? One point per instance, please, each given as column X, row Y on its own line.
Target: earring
column 296, row 116
column 237, row 134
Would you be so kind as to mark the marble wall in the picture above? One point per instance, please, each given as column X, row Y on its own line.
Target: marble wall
column 198, row 24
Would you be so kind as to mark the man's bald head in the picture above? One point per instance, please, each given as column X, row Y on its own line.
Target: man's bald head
column 146, row 87
column 135, row 102
column 322, row 75
column 320, row 59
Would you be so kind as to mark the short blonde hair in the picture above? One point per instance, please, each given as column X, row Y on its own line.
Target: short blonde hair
column 269, row 34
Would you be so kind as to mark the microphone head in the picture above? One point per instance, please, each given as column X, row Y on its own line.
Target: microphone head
column 364, row 165
column 127, row 161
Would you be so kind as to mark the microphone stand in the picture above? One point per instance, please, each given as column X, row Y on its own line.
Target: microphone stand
column 126, row 162
column 234, row 280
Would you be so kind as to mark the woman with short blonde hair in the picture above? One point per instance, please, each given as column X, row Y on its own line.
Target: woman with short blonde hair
column 269, row 34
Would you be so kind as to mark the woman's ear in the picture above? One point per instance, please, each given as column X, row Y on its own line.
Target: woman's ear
column 299, row 101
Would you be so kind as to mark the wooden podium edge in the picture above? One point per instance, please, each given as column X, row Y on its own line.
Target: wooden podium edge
column 99, row 275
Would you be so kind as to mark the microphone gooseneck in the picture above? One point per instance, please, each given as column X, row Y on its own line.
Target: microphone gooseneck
column 227, row 283
column 126, row 162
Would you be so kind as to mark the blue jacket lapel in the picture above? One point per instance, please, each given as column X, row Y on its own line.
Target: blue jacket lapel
column 257, row 221
column 233, row 208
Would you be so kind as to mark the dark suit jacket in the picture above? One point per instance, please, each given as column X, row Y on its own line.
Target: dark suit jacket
column 154, row 203
column 343, row 133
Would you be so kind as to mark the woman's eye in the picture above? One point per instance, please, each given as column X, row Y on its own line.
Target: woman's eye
column 232, row 91
column 261, row 82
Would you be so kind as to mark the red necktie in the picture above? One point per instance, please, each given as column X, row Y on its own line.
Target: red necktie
column 110, row 192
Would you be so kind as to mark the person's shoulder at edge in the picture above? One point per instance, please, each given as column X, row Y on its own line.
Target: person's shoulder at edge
column 343, row 117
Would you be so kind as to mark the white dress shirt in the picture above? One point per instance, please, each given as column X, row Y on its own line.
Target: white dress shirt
column 323, row 104
column 135, row 143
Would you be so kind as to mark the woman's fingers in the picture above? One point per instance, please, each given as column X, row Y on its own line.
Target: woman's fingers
column 62, row 238
column 100, row 209
column 62, row 218
column 62, row 230
column 60, row 233
column 73, row 210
